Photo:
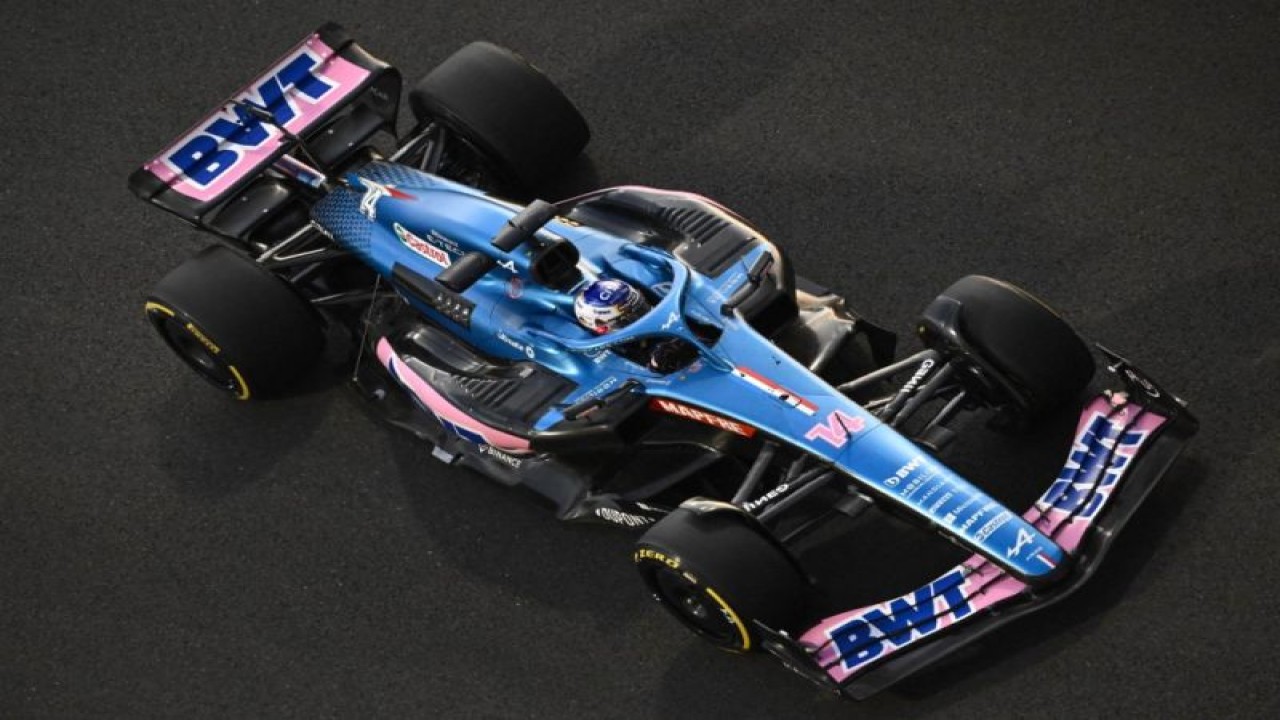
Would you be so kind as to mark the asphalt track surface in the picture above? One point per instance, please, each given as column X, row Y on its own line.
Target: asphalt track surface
column 168, row 552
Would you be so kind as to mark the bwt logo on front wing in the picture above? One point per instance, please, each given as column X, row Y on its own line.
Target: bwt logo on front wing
column 901, row 621
column 1100, row 455
column 218, row 145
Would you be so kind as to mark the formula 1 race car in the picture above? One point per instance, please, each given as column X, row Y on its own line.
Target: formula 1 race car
column 745, row 409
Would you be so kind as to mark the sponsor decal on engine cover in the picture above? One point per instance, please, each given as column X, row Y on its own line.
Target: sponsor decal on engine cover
column 671, row 407
column 520, row 347
column 515, row 287
column 373, row 192
column 422, row 247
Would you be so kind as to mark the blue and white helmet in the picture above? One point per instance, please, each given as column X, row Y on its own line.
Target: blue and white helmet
column 606, row 305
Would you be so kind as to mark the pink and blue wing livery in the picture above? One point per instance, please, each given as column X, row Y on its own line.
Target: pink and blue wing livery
column 225, row 148
column 1107, row 440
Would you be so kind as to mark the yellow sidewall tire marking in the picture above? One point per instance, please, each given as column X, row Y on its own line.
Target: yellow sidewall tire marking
column 242, row 387
column 742, row 629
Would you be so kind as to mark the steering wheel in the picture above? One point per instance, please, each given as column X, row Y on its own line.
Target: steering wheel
column 664, row 319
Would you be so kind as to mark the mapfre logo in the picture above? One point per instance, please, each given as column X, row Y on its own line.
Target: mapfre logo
column 422, row 247
column 671, row 407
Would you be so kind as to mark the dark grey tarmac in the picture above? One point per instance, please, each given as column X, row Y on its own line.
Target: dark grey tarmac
column 166, row 552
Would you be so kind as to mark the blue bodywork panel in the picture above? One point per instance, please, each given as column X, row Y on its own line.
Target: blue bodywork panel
column 394, row 215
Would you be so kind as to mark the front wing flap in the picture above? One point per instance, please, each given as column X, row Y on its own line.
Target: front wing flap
column 1125, row 442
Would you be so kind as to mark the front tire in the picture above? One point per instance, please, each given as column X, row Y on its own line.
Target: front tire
column 718, row 574
column 239, row 327
column 1017, row 351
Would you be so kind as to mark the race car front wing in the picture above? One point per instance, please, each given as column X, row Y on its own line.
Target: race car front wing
column 1125, row 442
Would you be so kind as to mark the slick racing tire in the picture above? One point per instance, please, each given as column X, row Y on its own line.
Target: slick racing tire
column 241, row 328
column 1016, row 335
column 506, row 108
column 718, row 574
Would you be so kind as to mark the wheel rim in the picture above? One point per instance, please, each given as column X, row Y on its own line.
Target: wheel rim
column 699, row 609
column 196, row 353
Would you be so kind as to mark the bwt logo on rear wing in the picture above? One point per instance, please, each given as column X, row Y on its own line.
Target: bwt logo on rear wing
column 289, row 92
column 303, row 89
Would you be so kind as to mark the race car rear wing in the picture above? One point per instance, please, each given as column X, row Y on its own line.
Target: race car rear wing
column 1125, row 442
column 306, row 91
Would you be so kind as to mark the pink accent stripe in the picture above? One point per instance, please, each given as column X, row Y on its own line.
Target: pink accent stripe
column 444, row 409
column 985, row 584
column 344, row 75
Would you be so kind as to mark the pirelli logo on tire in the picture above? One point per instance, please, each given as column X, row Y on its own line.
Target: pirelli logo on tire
column 204, row 339
column 645, row 553
column 688, row 412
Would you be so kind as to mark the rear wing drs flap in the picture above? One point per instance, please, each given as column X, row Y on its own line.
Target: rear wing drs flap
column 305, row 90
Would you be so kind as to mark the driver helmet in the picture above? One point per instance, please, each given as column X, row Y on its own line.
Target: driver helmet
column 607, row 305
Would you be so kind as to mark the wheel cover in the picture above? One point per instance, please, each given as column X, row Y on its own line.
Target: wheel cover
column 701, row 609
column 196, row 351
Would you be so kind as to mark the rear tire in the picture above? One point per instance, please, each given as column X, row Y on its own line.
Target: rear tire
column 506, row 108
column 239, row 327
column 718, row 574
column 1017, row 336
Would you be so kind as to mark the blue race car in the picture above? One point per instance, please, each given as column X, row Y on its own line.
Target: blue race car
column 636, row 356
